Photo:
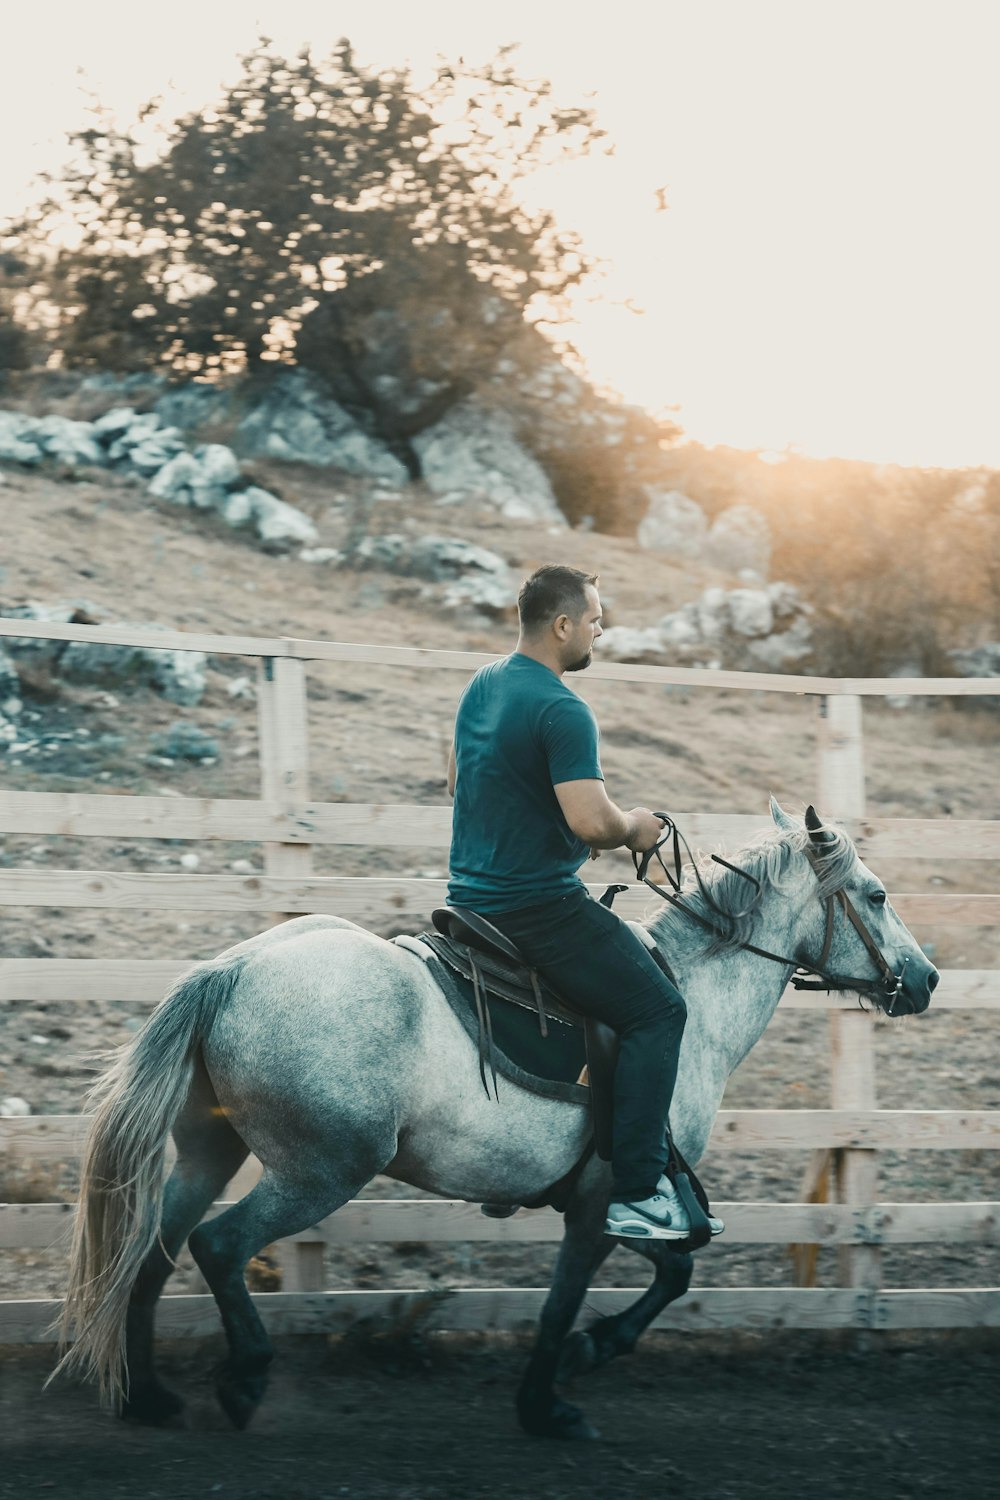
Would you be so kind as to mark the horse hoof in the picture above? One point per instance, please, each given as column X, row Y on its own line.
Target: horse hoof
column 239, row 1395
column 579, row 1356
column 560, row 1420
column 152, row 1405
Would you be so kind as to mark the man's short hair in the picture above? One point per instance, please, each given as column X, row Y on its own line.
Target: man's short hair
column 553, row 591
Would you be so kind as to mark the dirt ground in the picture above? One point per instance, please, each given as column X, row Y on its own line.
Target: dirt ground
column 783, row 1418
column 792, row 1415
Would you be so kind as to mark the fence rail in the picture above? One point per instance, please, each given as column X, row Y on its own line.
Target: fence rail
column 289, row 824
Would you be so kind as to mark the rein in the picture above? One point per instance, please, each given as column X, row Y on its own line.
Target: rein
column 884, row 991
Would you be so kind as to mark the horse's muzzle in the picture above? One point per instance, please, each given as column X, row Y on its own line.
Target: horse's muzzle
column 914, row 995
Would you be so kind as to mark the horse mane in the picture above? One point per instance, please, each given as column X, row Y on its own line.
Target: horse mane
column 768, row 861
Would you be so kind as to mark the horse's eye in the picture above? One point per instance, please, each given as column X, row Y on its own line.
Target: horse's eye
column 877, row 898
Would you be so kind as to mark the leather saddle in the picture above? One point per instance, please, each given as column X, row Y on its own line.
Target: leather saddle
column 474, row 931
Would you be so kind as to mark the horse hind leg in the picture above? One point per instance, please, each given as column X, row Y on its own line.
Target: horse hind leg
column 209, row 1154
column 279, row 1205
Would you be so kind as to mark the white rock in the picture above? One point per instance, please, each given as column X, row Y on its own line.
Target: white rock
column 114, row 423
column 278, row 524
column 321, row 555
column 219, row 465
column 298, row 420
column 242, row 867
column 201, row 479
column 16, row 442
column 241, row 687
column 176, row 479
column 69, row 441
column 713, row 614
column 673, row 524
column 189, row 861
column 740, row 540
column 14, row 1107
column 475, row 454
column 750, row 612
column 622, row 643
column 236, row 508
column 179, row 675
column 149, row 457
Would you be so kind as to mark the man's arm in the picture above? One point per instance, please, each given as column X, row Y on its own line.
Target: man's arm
column 595, row 819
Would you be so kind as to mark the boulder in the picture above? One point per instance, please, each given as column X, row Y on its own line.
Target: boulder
column 16, row 442
column 763, row 630
column 40, row 649
column 472, row 574
column 297, row 420
column 193, row 403
column 625, row 643
column 778, row 652
column 739, row 541
column 13, row 1107
column 176, row 675
column 201, row 479
column 474, row 454
column 138, row 440
column 384, row 552
column 156, row 451
column 113, row 423
column 750, row 612
column 979, row 661
column 278, row 525
column 186, row 741
column 673, row 524
column 67, row 441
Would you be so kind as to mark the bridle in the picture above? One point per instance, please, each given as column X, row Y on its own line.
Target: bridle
column 884, row 990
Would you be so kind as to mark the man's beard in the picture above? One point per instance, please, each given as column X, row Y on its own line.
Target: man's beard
column 582, row 663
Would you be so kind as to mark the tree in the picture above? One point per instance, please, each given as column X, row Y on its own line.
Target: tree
column 15, row 342
column 305, row 181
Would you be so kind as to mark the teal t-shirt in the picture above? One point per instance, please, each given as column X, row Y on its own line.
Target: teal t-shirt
column 518, row 733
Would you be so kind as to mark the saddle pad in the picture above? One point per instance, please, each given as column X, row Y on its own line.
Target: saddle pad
column 548, row 1066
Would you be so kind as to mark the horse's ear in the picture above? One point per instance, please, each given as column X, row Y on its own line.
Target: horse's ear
column 818, row 832
column 780, row 817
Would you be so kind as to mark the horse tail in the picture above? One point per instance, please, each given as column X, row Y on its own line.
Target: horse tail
column 117, row 1221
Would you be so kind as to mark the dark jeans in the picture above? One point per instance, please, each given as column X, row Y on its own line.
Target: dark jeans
column 592, row 957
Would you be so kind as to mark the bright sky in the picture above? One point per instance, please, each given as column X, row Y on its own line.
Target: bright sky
column 826, row 275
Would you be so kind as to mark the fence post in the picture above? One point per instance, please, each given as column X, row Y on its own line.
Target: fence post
column 284, row 756
column 841, row 794
column 284, row 779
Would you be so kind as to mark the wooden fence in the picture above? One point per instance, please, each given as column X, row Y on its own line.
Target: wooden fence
column 290, row 825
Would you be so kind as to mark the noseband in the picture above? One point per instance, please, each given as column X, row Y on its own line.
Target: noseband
column 884, row 990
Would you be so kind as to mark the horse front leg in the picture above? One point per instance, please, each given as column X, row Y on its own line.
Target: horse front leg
column 585, row 1245
column 618, row 1334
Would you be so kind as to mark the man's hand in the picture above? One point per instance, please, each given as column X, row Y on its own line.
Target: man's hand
column 644, row 829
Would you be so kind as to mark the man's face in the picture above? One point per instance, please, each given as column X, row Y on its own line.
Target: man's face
column 578, row 649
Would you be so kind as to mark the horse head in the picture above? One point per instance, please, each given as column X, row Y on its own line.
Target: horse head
column 864, row 936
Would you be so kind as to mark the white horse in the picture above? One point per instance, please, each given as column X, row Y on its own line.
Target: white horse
column 332, row 1055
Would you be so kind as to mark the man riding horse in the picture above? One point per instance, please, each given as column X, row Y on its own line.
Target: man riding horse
column 530, row 802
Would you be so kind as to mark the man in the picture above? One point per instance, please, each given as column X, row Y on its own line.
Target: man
column 530, row 803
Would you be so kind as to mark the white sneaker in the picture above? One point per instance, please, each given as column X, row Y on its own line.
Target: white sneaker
column 660, row 1217
column 666, row 1187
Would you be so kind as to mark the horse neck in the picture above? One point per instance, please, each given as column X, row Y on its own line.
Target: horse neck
column 731, row 996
